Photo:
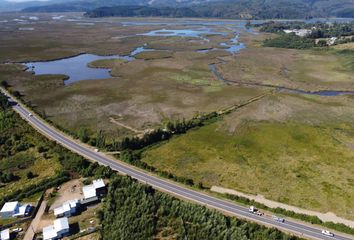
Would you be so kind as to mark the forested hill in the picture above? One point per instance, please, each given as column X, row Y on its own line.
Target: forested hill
column 235, row 9
column 142, row 11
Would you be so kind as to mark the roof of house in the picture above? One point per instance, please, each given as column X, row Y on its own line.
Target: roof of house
column 99, row 183
column 9, row 207
column 89, row 191
column 61, row 224
column 66, row 207
column 49, row 232
column 22, row 210
column 5, row 234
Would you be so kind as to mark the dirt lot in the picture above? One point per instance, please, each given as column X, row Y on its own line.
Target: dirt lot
column 68, row 191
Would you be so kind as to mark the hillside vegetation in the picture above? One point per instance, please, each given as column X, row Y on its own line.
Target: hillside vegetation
column 240, row 9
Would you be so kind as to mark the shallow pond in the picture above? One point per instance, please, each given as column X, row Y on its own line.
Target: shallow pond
column 197, row 33
column 76, row 68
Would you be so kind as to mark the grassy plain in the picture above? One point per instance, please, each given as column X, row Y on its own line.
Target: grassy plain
column 307, row 70
column 175, row 83
column 297, row 144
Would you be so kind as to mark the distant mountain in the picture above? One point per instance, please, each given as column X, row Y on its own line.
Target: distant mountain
column 8, row 6
column 239, row 9
column 142, row 11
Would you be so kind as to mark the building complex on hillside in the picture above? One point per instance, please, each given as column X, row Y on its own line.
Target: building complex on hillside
column 92, row 193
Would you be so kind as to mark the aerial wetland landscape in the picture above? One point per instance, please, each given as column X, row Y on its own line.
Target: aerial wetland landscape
column 210, row 103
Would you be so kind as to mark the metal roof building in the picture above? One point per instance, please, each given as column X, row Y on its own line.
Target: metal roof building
column 9, row 209
column 58, row 230
column 93, row 190
column 89, row 191
column 67, row 209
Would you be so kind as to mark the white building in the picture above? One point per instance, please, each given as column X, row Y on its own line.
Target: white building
column 331, row 41
column 58, row 230
column 67, row 209
column 15, row 209
column 5, row 234
column 98, row 184
column 9, row 209
column 299, row 32
column 96, row 189
column 89, row 191
column 23, row 211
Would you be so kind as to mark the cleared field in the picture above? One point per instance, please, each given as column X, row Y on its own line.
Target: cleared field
column 273, row 148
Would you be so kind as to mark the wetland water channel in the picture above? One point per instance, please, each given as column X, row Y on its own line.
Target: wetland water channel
column 327, row 93
column 77, row 69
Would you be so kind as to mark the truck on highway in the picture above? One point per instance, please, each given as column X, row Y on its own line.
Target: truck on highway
column 254, row 210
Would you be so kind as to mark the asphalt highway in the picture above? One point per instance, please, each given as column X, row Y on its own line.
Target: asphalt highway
column 304, row 230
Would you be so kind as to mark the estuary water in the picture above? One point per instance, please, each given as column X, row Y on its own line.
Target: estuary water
column 76, row 68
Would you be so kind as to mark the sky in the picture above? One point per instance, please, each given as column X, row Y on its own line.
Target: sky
column 25, row 0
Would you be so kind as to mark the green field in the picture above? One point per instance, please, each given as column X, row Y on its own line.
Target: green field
column 290, row 160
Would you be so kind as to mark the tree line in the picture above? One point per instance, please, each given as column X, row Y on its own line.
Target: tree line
column 240, row 9
column 136, row 211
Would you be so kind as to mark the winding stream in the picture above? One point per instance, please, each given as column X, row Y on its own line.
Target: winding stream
column 327, row 93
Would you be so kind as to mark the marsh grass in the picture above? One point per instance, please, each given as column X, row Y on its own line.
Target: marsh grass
column 309, row 167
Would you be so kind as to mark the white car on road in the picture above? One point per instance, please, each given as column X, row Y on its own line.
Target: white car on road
column 327, row 233
column 278, row 219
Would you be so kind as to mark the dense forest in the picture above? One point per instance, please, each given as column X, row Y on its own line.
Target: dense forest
column 136, row 211
column 234, row 9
